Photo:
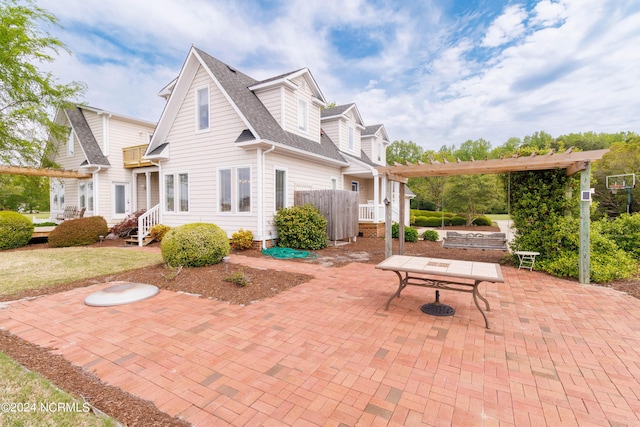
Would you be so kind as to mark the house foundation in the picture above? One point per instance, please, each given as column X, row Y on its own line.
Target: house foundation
column 368, row 229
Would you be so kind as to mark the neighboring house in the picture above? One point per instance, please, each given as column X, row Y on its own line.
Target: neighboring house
column 95, row 145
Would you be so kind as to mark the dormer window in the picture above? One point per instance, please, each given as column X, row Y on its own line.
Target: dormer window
column 303, row 122
column 202, row 100
column 379, row 151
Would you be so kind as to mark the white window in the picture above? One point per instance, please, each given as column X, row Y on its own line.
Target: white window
column 58, row 195
column 240, row 199
column 302, row 115
column 202, row 99
column 70, row 144
column 350, row 138
column 355, row 186
column 169, row 192
column 244, row 189
column 85, row 194
column 183, row 191
column 176, row 196
column 281, row 189
column 334, row 183
column 379, row 151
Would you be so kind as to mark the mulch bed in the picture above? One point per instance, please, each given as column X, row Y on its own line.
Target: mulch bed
column 209, row 282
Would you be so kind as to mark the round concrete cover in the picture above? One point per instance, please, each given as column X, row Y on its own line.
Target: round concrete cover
column 121, row 293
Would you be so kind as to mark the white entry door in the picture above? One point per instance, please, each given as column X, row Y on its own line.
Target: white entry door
column 121, row 199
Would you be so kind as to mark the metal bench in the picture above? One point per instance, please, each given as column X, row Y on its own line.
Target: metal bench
column 69, row 212
column 490, row 241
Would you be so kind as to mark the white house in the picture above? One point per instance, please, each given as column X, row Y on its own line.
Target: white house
column 95, row 146
column 232, row 150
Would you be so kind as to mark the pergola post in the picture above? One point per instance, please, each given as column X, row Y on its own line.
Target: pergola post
column 401, row 219
column 585, row 226
column 388, row 241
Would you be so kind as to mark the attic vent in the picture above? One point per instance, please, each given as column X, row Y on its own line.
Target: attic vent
column 231, row 69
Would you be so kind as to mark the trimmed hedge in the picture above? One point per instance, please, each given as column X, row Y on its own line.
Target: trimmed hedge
column 430, row 236
column 15, row 230
column 482, row 220
column 301, row 227
column 78, row 232
column 194, row 245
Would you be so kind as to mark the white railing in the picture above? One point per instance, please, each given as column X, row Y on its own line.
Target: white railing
column 146, row 221
column 367, row 213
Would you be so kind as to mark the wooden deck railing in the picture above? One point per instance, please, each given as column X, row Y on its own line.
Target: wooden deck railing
column 132, row 156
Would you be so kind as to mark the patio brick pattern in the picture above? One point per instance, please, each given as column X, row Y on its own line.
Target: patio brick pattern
column 327, row 353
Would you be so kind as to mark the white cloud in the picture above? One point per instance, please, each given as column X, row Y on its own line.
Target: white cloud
column 506, row 27
column 559, row 66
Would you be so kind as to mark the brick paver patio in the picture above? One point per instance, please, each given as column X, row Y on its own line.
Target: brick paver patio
column 327, row 353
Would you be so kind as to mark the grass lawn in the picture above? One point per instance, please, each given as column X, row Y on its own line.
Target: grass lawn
column 30, row 400
column 22, row 270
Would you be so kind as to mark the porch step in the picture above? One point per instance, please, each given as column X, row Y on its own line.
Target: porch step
column 133, row 240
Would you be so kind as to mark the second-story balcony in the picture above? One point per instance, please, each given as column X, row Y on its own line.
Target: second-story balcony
column 132, row 156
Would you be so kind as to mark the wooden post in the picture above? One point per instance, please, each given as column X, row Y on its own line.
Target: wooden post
column 401, row 219
column 388, row 240
column 585, row 226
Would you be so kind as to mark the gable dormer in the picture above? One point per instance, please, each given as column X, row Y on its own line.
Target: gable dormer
column 374, row 143
column 343, row 124
column 295, row 101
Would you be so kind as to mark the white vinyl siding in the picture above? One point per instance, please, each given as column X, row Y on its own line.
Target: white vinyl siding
column 291, row 111
column 273, row 100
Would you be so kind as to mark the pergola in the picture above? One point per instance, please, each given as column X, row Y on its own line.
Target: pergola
column 53, row 173
column 572, row 162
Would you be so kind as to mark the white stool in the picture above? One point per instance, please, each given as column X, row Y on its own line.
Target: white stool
column 527, row 259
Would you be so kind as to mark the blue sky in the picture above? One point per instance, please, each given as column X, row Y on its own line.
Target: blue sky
column 436, row 72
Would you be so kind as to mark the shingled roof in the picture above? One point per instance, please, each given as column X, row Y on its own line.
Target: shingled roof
column 90, row 147
column 236, row 84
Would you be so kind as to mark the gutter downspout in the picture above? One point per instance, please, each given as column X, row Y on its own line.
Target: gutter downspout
column 261, row 222
column 95, row 188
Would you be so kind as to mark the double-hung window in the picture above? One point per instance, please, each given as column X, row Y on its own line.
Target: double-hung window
column 234, row 190
column 176, row 190
column 70, row 144
column 202, row 101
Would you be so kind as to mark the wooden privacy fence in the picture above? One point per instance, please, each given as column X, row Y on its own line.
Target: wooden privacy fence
column 339, row 207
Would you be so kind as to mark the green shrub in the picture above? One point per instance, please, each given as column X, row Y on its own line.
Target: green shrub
column 158, row 232
column 482, row 220
column 421, row 221
column 194, row 245
column 78, row 232
column 410, row 234
column 15, row 230
column 238, row 279
column 46, row 224
column 625, row 231
column 430, row 236
column 457, row 220
column 301, row 227
column 242, row 239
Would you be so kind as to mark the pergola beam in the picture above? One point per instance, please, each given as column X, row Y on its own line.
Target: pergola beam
column 53, row 173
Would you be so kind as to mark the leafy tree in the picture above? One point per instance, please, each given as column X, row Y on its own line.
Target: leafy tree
column 477, row 150
column 401, row 151
column 474, row 195
column 28, row 96
column 623, row 158
column 27, row 192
